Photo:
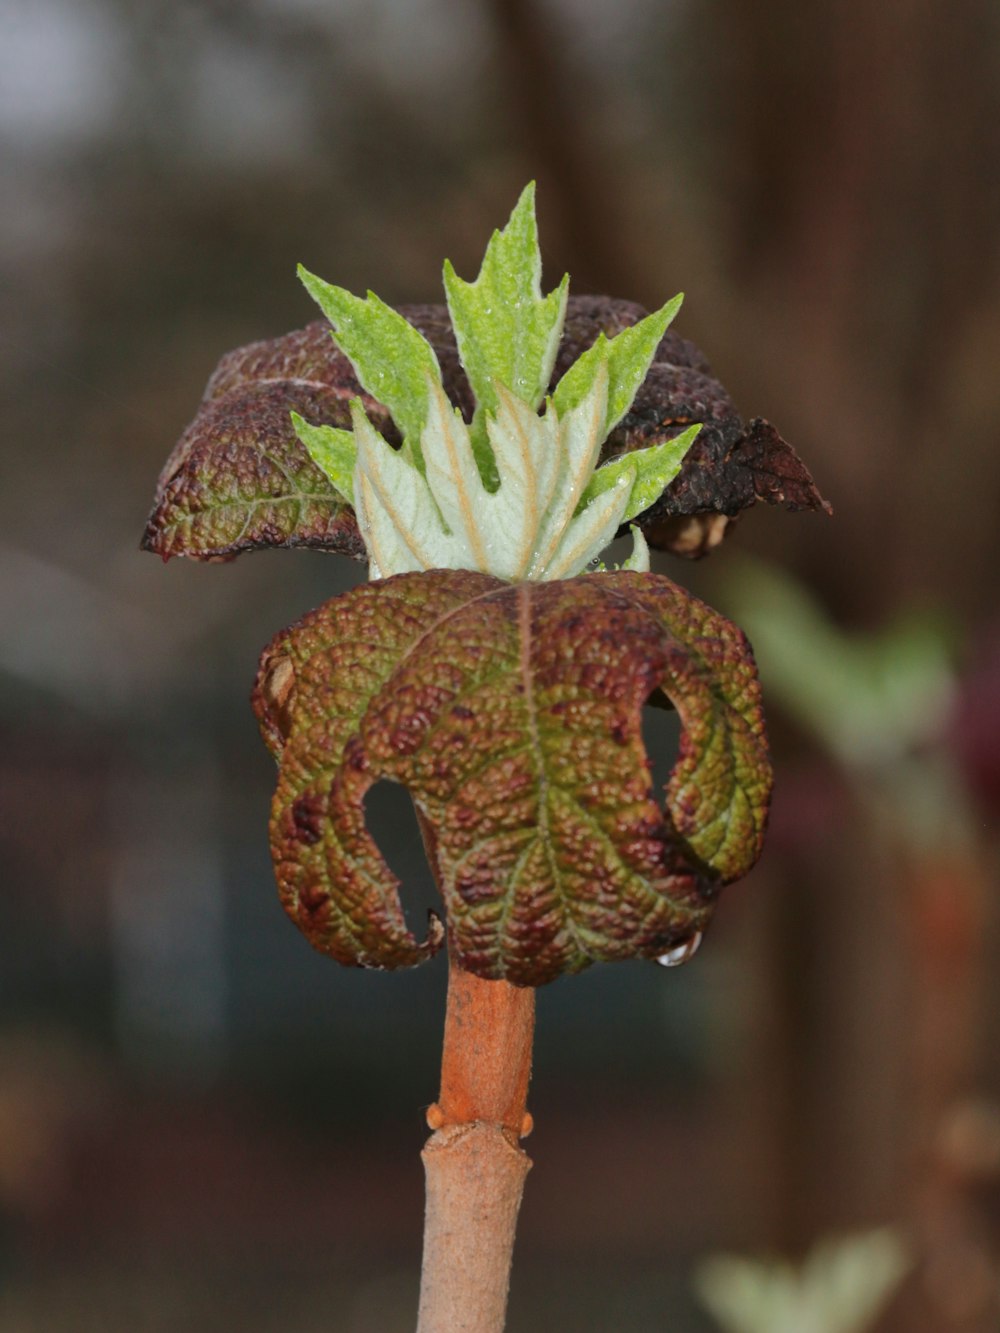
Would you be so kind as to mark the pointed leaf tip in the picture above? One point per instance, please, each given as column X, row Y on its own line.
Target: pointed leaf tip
column 505, row 329
column 629, row 354
column 391, row 358
column 654, row 469
column 332, row 450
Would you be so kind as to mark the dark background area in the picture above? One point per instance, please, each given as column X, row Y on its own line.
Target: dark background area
column 203, row 1124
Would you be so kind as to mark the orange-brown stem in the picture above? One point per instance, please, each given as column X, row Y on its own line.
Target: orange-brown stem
column 474, row 1167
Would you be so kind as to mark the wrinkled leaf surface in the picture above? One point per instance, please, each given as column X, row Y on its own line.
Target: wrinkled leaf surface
column 239, row 478
column 512, row 714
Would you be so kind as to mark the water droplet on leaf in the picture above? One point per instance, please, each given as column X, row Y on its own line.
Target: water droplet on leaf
column 680, row 953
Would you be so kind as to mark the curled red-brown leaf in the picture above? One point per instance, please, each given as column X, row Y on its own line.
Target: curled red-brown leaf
column 239, row 479
column 512, row 714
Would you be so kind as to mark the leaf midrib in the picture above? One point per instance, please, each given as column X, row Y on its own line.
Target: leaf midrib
column 524, row 591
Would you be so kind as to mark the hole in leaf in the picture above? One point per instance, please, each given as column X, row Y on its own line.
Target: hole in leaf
column 661, row 735
column 392, row 822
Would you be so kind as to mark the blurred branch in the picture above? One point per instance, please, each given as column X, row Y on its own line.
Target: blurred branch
column 545, row 101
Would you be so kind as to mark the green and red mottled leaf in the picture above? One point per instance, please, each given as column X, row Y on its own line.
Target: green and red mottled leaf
column 240, row 480
column 512, row 714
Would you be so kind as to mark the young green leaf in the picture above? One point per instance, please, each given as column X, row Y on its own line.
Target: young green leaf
column 513, row 716
column 531, row 526
column 332, row 450
column 655, row 468
column 505, row 329
column 629, row 355
column 391, row 358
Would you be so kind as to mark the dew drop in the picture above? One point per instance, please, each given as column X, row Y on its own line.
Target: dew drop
column 680, row 953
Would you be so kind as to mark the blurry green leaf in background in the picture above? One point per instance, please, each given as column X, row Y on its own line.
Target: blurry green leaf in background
column 866, row 697
column 878, row 702
column 840, row 1288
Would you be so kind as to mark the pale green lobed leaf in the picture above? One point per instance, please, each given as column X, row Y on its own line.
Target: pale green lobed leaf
column 388, row 553
column 389, row 549
column 527, row 452
column 655, row 469
column 629, row 355
column 391, row 358
column 580, row 436
column 586, row 536
column 396, row 511
column 333, row 451
column 452, row 474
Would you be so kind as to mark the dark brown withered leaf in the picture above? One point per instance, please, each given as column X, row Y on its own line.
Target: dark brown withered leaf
column 240, row 480
column 512, row 714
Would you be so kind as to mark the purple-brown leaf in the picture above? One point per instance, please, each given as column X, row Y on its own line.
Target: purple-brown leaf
column 512, row 713
column 240, row 480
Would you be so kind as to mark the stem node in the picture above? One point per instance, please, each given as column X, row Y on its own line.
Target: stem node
column 474, row 1167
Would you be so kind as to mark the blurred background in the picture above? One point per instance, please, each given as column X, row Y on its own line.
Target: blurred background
column 203, row 1124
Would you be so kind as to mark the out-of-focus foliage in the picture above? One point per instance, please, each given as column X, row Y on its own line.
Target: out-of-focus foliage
column 880, row 703
column 840, row 1288
column 870, row 698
